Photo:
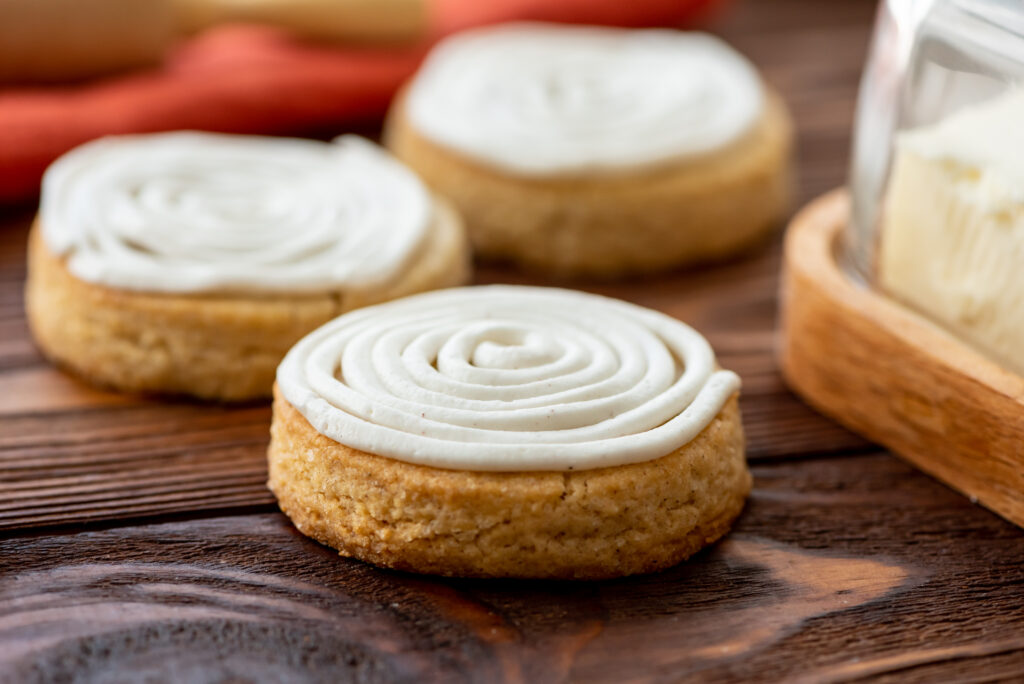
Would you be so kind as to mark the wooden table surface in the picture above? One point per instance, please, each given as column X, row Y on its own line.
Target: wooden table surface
column 139, row 542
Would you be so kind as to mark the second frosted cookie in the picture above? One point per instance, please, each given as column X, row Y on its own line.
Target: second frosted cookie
column 594, row 151
column 188, row 263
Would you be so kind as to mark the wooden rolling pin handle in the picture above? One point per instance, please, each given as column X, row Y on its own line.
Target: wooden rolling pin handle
column 324, row 20
column 65, row 40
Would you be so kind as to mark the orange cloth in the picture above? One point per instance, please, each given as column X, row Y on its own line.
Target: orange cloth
column 258, row 80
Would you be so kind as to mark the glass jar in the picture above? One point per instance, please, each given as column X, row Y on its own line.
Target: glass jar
column 942, row 102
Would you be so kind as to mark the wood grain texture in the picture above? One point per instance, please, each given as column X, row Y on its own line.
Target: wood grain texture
column 848, row 565
column 823, row 580
column 893, row 375
column 69, row 453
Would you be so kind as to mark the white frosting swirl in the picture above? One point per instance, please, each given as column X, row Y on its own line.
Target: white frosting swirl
column 201, row 212
column 506, row 378
column 546, row 99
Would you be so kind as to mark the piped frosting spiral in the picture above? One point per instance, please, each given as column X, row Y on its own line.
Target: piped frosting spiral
column 201, row 212
column 546, row 99
column 507, row 378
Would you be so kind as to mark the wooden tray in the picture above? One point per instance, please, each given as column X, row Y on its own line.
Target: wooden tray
column 894, row 376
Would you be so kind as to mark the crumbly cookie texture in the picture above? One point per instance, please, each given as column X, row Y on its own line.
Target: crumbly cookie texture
column 591, row 524
column 220, row 347
column 613, row 224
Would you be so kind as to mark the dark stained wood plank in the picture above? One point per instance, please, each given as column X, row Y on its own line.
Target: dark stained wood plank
column 69, row 453
column 840, row 569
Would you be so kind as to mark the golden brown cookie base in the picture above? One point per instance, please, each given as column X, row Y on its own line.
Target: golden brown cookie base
column 223, row 347
column 590, row 524
column 634, row 221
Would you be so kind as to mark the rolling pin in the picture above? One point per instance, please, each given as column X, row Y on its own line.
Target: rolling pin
column 66, row 40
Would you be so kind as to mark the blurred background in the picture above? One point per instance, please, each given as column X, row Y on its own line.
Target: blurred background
column 74, row 70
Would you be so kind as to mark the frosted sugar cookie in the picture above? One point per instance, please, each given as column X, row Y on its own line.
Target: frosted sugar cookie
column 598, row 151
column 190, row 262
column 508, row 431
